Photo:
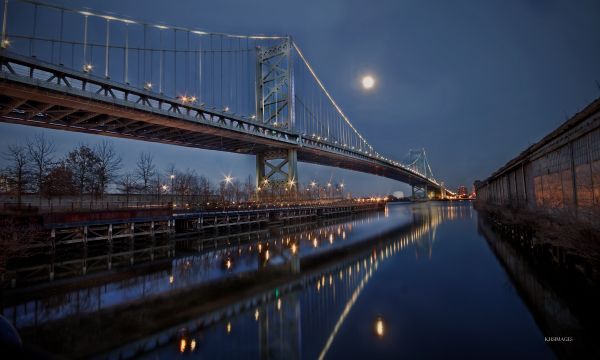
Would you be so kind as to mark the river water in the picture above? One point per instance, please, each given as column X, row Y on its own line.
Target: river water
column 426, row 280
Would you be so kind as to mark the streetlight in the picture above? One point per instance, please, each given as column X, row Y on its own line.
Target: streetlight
column 172, row 176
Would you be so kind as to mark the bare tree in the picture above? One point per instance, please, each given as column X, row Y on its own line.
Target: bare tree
column 236, row 190
column 18, row 169
column 59, row 181
column 145, row 169
column 204, row 188
column 41, row 153
column 108, row 165
column 248, row 189
column 82, row 161
column 127, row 185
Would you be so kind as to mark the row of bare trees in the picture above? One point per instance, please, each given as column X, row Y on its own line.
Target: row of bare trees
column 36, row 167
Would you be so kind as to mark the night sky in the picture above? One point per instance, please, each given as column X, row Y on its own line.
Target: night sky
column 472, row 82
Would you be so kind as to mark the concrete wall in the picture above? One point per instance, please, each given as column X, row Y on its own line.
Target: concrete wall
column 559, row 173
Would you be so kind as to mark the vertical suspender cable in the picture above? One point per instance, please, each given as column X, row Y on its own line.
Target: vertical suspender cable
column 212, row 71
column 60, row 37
column 187, row 63
column 221, row 70
column 144, row 54
column 85, row 33
column 4, row 43
column 32, row 44
column 106, row 48
column 126, row 75
column 200, row 55
column 60, row 41
column 160, row 71
column 175, row 62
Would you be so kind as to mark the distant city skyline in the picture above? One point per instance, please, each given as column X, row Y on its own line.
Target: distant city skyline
column 474, row 84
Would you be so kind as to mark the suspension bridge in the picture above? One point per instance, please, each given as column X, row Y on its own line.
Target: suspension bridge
column 90, row 72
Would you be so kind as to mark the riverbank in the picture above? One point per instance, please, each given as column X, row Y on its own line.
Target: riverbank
column 568, row 242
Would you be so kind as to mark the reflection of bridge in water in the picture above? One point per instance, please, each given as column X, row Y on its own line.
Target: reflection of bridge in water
column 335, row 261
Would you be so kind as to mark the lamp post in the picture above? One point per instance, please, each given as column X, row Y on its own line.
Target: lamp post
column 164, row 190
column 227, row 181
column 172, row 188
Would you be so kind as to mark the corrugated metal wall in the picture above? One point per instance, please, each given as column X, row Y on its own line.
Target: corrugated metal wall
column 565, row 177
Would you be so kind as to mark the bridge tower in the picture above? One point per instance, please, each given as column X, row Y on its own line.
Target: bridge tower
column 275, row 105
column 417, row 161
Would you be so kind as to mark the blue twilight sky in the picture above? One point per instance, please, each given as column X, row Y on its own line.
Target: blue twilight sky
column 473, row 82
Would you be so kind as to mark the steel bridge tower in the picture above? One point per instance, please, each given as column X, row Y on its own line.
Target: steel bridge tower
column 417, row 161
column 275, row 105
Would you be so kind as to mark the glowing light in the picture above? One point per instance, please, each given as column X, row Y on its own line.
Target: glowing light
column 148, row 86
column 226, row 109
column 267, row 255
column 368, row 82
column 228, row 327
column 228, row 179
column 228, row 264
column 193, row 345
column 171, row 279
column 279, row 304
column 379, row 327
column 256, row 314
column 294, row 249
column 182, row 345
column 88, row 68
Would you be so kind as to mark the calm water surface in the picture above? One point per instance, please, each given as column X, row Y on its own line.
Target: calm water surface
column 415, row 281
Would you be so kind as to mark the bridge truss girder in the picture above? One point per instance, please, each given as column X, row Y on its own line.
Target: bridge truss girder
column 35, row 93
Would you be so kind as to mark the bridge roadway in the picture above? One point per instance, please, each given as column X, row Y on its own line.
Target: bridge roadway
column 39, row 94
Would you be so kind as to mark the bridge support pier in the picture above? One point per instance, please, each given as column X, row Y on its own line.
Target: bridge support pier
column 419, row 192
column 277, row 170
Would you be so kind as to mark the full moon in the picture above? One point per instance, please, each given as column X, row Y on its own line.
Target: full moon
column 368, row 82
